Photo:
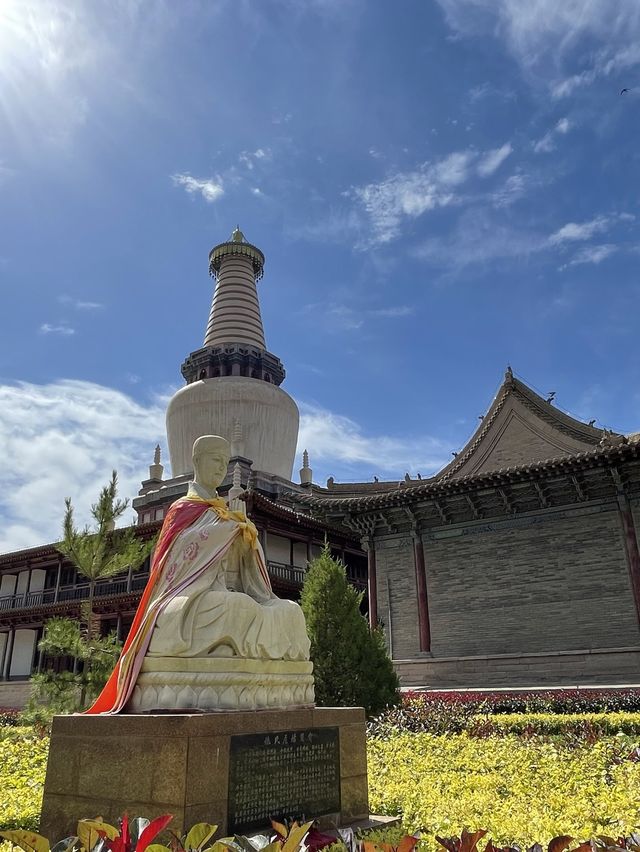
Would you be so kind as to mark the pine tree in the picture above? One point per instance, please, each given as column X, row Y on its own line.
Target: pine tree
column 97, row 554
column 350, row 662
column 101, row 553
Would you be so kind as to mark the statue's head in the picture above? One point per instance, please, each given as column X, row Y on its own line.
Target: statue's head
column 211, row 455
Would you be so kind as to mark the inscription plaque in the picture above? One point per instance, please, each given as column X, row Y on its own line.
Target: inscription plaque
column 282, row 774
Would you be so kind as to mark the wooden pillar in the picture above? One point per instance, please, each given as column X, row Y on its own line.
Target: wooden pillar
column 35, row 664
column 56, row 594
column 290, row 551
column 28, row 586
column 372, row 584
column 9, row 654
column 40, row 653
column 424, row 627
column 631, row 548
column 119, row 627
column 129, row 578
column 5, row 645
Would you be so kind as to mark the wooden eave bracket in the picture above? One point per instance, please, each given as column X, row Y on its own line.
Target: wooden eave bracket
column 543, row 495
column 506, row 500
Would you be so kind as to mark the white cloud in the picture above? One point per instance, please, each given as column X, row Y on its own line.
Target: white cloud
column 478, row 239
column 492, row 160
column 337, row 446
column 249, row 158
column 63, row 330
column 407, row 195
column 544, row 35
column 575, row 231
column 453, row 169
column 548, row 141
column 593, row 254
column 80, row 305
column 512, row 189
column 62, row 440
column 211, row 189
column 392, row 312
column 336, row 317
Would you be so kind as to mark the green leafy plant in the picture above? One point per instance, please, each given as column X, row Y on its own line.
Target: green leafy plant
column 97, row 554
column 350, row 663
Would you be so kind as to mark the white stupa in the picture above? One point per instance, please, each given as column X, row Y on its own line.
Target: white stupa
column 233, row 381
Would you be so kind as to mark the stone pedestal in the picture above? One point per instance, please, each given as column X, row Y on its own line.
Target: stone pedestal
column 221, row 683
column 234, row 769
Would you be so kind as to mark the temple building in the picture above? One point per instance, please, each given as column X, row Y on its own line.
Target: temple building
column 516, row 565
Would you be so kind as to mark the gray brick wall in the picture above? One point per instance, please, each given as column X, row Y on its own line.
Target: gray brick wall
column 560, row 584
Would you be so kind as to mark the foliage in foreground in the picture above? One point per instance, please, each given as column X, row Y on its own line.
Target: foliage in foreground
column 540, row 701
column 520, row 791
column 23, row 763
column 137, row 835
column 419, row 718
column 351, row 666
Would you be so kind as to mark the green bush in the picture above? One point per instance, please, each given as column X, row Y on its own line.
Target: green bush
column 441, row 717
column 351, row 666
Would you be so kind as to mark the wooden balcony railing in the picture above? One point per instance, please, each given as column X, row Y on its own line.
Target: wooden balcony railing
column 290, row 574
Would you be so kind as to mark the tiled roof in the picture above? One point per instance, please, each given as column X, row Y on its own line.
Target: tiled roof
column 597, row 457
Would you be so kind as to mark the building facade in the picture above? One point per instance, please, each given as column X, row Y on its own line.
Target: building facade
column 518, row 564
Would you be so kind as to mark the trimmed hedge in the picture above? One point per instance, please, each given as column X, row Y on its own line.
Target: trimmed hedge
column 543, row 701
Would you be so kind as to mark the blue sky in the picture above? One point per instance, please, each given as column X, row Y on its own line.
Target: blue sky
column 440, row 187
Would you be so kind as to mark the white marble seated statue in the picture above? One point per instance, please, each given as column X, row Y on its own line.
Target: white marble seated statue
column 209, row 598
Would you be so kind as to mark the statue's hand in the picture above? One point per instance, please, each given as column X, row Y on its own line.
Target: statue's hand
column 238, row 505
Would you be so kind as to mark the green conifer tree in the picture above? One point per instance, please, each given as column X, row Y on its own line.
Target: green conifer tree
column 350, row 662
column 97, row 554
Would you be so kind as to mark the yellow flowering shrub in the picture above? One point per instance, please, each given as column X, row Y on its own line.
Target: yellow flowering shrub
column 23, row 763
column 522, row 791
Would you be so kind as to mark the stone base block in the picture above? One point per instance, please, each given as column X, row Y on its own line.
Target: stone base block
column 221, row 683
column 596, row 667
column 194, row 767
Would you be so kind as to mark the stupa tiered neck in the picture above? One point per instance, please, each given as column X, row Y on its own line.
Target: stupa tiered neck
column 234, row 342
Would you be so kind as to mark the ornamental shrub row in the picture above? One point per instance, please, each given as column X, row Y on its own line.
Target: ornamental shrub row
column 587, row 727
column 542, row 701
